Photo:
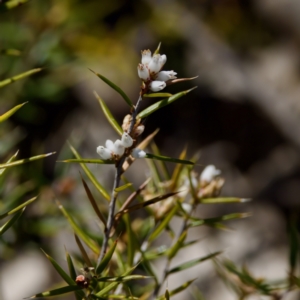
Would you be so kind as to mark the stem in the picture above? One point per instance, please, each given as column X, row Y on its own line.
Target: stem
column 111, row 212
column 134, row 113
column 114, row 195
column 167, row 266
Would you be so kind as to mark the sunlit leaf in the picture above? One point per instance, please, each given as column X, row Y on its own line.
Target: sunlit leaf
column 57, row 292
column 9, row 223
column 157, row 105
column 193, row 263
column 88, row 161
column 25, row 160
column 123, row 187
column 157, row 49
column 177, row 171
column 113, row 285
column 9, row 113
column 178, row 289
column 17, row 208
column 20, row 76
column 109, row 115
column 101, row 265
column 78, row 230
column 10, row 160
column 178, row 245
column 169, row 159
column 90, row 175
column 122, row 278
column 154, row 95
column 115, row 87
column 224, row 200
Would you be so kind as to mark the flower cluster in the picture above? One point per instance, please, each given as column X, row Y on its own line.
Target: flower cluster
column 150, row 71
column 114, row 150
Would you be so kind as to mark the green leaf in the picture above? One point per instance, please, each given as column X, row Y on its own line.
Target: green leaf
column 178, row 245
column 88, row 161
column 211, row 221
column 113, row 285
column 71, row 267
column 157, row 49
column 59, row 270
column 78, row 230
column 93, row 202
column 154, row 107
column 10, row 160
column 154, row 95
column 169, row 159
column 123, row 187
column 109, row 115
column 83, row 252
column 6, row 115
column 163, row 224
column 106, row 259
column 177, row 171
column 223, row 200
column 115, row 87
column 122, row 278
column 17, row 208
column 12, row 52
column 20, row 76
column 162, row 164
column 146, row 203
column 90, row 175
column 59, row 291
column 294, row 245
column 192, row 263
column 9, row 223
column 131, row 241
column 25, row 160
column 178, row 289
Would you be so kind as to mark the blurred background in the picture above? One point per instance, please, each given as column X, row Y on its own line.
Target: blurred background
column 244, row 118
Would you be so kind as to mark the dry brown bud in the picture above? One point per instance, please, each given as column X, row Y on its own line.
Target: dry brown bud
column 82, row 281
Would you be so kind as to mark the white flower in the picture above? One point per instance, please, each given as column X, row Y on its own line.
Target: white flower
column 146, row 57
column 104, row 152
column 162, row 60
column 118, row 148
column 126, row 140
column 209, row 173
column 138, row 153
column 110, row 145
column 156, row 86
column 143, row 72
column 166, row 75
column 155, row 64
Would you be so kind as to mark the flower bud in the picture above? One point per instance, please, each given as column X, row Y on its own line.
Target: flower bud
column 143, row 72
column 118, row 148
column 154, row 65
column 138, row 153
column 166, row 75
column 209, row 173
column 104, row 153
column 109, row 145
column 139, row 130
column 126, row 140
column 156, row 86
column 146, row 57
column 162, row 60
column 126, row 122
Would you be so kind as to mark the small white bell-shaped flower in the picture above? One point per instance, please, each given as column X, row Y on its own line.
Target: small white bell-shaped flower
column 166, row 75
column 146, row 57
column 104, row 152
column 143, row 72
column 138, row 153
column 162, row 60
column 118, row 148
column 110, row 145
column 156, row 86
column 209, row 173
column 155, row 64
column 126, row 140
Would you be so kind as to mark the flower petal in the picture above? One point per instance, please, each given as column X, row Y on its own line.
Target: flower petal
column 143, row 72
column 209, row 173
column 156, row 86
column 146, row 57
column 166, row 75
column 126, row 140
column 138, row 153
column 118, row 148
column 104, row 152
